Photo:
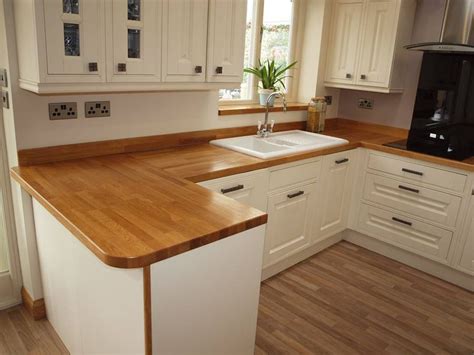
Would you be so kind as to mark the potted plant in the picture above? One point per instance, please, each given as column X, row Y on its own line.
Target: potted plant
column 271, row 76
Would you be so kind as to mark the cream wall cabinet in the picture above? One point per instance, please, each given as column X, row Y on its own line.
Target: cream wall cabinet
column 73, row 46
column 365, row 50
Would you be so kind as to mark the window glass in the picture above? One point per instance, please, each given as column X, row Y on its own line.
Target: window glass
column 244, row 91
column 71, row 6
column 71, row 40
column 277, row 15
column 133, row 43
column 134, row 10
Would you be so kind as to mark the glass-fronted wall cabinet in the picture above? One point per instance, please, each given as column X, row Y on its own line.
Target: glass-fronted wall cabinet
column 74, row 38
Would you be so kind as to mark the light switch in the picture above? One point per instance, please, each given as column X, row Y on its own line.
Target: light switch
column 5, row 101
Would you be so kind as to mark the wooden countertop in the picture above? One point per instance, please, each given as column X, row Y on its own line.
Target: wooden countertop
column 134, row 209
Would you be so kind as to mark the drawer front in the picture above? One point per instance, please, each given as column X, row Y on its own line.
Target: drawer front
column 420, row 173
column 294, row 174
column 404, row 232
column 250, row 189
column 429, row 204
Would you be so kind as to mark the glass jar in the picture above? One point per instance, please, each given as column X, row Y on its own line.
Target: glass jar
column 316, row 114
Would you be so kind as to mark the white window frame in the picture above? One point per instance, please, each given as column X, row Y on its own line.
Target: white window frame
column 255, row 50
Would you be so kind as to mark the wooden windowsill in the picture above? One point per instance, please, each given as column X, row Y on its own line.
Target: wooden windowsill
column 226, row 110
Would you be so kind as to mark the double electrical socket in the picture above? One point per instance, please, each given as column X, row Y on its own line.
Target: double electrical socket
column 366, row 103
column 62, row 111
column 97, row 109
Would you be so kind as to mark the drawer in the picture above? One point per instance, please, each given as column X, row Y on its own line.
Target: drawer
column 294, row 174
column 429, row 204
column 404, row 232
column 420, row 173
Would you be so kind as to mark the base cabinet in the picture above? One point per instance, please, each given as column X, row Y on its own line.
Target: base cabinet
column 466, row 246
column 290, row 221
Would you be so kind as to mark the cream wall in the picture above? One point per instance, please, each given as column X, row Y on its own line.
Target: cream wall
column 396, row 109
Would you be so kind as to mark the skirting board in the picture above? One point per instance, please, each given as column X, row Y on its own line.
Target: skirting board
column 430, row 267
column 36, row 308
column 284, row 264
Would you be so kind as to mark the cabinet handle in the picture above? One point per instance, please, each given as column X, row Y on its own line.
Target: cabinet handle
column 348, row 76
column 340, row 161
column 401, row 187
column 198, row 69
column 296, row 194
column 219, row 70
column 419, row 173
column 401, row 221
column 363, row 76
column 93, row 67
column 122, row 67
column 231, row 189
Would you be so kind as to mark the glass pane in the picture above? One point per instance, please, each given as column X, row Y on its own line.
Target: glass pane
column 277, row 16
column 244, row 91
column 71, row 40
column 71, row 6
column 134, row 10
column 133, row 43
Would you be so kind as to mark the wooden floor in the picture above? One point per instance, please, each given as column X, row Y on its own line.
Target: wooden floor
column 343, row 300
column 349, row 300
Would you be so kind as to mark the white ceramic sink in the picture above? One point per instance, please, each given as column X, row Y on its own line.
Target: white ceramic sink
column 279, row 144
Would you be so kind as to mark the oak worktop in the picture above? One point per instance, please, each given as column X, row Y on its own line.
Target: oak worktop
column 134, row 209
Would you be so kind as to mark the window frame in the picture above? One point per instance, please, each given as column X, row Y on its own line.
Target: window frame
column 255, row 50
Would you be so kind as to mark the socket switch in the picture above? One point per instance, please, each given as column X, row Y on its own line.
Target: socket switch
column 62, row 111
column 97, row 109
column 3, row 78
column 366, row 103
column 5, row 101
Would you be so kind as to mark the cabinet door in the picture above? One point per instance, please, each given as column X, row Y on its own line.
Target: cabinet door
column 343, row 41
column 466, row 261
column 336, row 188
column 226, row 40
column 290, row 216
column 135, row 39
column 378, row 41
column 184, row 40
column 75, row 41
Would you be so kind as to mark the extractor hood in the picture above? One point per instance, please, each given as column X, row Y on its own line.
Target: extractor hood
column 457, row 32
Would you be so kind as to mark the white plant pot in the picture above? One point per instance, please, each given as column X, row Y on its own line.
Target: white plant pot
column 264, row 93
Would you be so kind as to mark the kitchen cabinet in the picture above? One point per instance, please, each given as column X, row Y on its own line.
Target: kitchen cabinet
column 290, row 219
column 135, row 33
column 466, row 246
column 226, row 40
column 74, row 39
column 75, row 46
column 366, row 44
column 336, row 187
column 344, row 38
column 184, row 40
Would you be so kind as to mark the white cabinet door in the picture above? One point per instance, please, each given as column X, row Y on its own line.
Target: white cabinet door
column 336, row 188
column 135, row 39
column 290, row 218
column 248, row 188
column 226, row 40
column 466, row 261
column 184, row 40
column 378, row 41
column 75, row 38
column 343, row 42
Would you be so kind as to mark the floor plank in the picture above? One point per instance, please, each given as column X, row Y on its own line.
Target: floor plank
column 344, row 300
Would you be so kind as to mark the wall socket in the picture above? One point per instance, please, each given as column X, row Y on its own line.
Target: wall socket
column 62, row 111
column 3, row 78
column 97, row 109
column 5, row 101
column 366, row 103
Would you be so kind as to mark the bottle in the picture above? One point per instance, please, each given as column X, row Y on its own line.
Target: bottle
column 312, row 122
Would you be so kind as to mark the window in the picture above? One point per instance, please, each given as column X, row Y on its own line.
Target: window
column 268, row 35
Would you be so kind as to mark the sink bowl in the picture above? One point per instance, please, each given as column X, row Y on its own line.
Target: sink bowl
column 279, row 144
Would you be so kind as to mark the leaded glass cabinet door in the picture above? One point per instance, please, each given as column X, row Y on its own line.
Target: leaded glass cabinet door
column 135, row 38
column 75, row 37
